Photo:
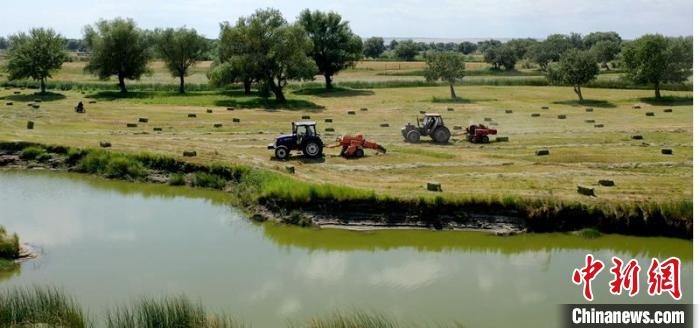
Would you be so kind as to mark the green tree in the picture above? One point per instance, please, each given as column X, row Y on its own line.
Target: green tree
column 592, row 38
column 575, row 68
column 237, row 57
column 501, row 56
column 521, row 46
column 605, row 51
column 335, row 47
column 117, row 47
column 466, row 47
column 407, row 50
column 373, row 47
column 483, row 46
column 656, row 59
column 3, row 43
column 35, row 55
column 447, row 66
column 180, row 49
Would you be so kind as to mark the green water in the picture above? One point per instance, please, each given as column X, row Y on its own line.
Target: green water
column 109, row 242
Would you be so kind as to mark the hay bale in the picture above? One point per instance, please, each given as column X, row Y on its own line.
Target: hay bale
column 305, row 117
column 457, row 127
column 30, row 125
column 17, row 92
column 30, row 104
column 131, row 125
column 649, row 114
column 667, row 151
column 422, row 112
column 502, row 139
column 589, row 121
column 143, row 120
column 364, row 109
column 236, row 120
column 509, row 111
column 157, row 129
column 561, row 117
column 535, row 114
column 487, row 119
column 637, row 106
column 542, row 152
column 191, row 115
column 9, row 103
column 450, row 109
column 384, row 125
column 209, row 111
column 599, row 126
column 637, row 137
column 589, row 109
column 434, row 186
column 494, row 123
column 92, row 102
column 189, row 153
column 587, row 191
column 35, row 106
column 668, row 110
column 230, row 108
column 218, row 125
column 37, row 100
column 105, row 144
column 290, row 169
column 545, row 107
column 328, row 120
column 606, row 182
column 330, row 130
column 351, row 112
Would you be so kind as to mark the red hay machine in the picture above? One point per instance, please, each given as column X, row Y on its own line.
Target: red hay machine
column 479, row 133
column 354, row 145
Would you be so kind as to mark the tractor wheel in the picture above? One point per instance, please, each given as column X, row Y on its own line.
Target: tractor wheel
column 412, row 136
column 359, row 152
column 441, row 135
column 312, row 149
column 485, row 139
column 281, row 152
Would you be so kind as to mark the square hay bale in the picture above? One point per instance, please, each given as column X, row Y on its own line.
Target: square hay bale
column 30, row 125
column 637, row 137
column 599, row 126
column 131, row 125
column 105, row 144
column 218, row 125
column 494, row 123
column 649, row 114
column 637, row 106
column 9, row 103
column 30, row 104
column 589, row 109
column 305, row 117
column 92, row 102
column 157, row 129
column 487, row 119
column 667, row 151
column 589, row 121
column 384, row 125
column 502, row 139
column 290, row 169
column 189, row 153
column 561, row 117
column 606, row 182
column 16, row 92
column 450, row 109
column 545, row 107
column 422, row 112
column 364, row 109
column 509, row 111
column 330, row 130
column 668, row 110
column 230, row 108
column 434, row 186
column 328, row 120
column 542, row 152
column 37, row 100
column 351, row 112
column 191, row 115
column 143, row 120
column 587, row 191
column 236, row 120
column 209, row 111
column 457, row 127
column 35, row 106
column 535, row 115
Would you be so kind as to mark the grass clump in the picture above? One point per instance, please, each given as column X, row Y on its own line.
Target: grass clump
column 589, row 233
column 112, row 165
column 9, row 244
column 177, row 179
column 34, row 153
column 208, row 180
column 353, row 320
column 167, row 312
column 298, row 218
column 39, row 307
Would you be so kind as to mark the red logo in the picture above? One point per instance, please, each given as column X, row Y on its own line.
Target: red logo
column 665, row 277
column 586, row 275
column 626, row 277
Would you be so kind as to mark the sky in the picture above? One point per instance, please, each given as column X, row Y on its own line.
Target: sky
column 388, row 18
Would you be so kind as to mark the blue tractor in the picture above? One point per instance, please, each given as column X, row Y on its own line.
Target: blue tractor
column 303, row 138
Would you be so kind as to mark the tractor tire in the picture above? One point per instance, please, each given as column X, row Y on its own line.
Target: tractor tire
column 485, row 139
column 413, row 136
column 281, row 152
column 441, row 135
column 359, row 153
column 312, row 149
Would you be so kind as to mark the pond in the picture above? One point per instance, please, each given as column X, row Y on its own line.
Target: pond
column 110, row 242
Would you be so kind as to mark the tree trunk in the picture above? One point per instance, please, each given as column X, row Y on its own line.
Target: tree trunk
column 277, row 90
column 43, row 85
column 182, row 83
column 452, row 91
column 329, row 81
column 657, row 90
column 246, row 86
column 122, row 86
column 577, row 89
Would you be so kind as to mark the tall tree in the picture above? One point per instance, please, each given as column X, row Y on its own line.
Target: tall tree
column 656, row 59
column 521, row 46
column 35, row 55
column 501, row 56
column 466, row 47
column 445, row 66
column 406, row 50
column 373, row 47
column 117, row 47
column 335, row 47
column 180, row 49
column 575, row 68
column 605, row 51
column 592, row 38
column 3, row 43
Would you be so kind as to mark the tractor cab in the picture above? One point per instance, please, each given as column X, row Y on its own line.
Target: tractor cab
column 432, row 125
column 303, row 129
column 430, row 122
column 303, row 138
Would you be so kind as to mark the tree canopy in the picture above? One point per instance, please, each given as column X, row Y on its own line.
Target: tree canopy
column 35, row 55
column 466, row 47
column 445, row 66
column 335, row 47
column 373, row 47
column 656, row 59
column 118, row 47
column 180, row 49
column 575, row 68
column 406, row 50
column 501, row 56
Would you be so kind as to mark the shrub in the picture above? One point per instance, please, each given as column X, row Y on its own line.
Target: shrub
column 167, row 312
column 37, row 306
column 207, row 180
column 297, row 217
column 177, row 179
column 124, row 167
column 33, row 153
column 9, row 245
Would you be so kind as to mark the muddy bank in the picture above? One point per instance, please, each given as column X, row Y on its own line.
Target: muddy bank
column 262, row 195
